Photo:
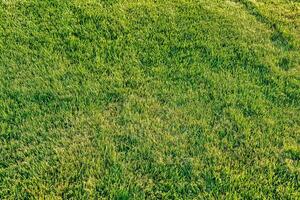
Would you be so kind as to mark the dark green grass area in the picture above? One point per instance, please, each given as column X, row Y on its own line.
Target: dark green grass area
column 149, row 99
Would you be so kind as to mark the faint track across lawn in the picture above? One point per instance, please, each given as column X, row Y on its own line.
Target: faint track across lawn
column 279, row 38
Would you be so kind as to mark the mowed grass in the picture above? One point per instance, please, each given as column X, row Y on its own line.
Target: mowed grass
column 149, row 99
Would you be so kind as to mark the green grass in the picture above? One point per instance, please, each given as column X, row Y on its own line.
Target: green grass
column 149, row 99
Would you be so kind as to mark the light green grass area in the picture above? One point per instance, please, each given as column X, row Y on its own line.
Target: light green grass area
column 149, row 99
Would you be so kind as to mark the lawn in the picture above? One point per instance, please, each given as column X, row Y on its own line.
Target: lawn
column 149, row 99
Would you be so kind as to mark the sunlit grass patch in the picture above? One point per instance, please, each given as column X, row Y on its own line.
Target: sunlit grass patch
column 149, row 99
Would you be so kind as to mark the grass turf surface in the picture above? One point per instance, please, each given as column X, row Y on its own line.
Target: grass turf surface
column 134, row 99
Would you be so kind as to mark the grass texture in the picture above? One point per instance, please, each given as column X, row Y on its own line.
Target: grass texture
column 149, row 99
